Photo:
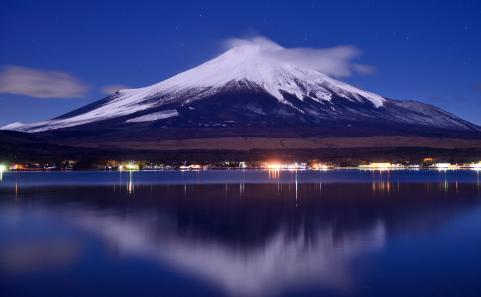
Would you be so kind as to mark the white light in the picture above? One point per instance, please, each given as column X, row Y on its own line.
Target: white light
column 2, row 168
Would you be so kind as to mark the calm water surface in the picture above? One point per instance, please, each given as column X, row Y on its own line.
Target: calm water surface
column 241, row 233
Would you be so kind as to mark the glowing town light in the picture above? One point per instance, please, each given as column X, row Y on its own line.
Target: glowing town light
column 381, row 165
column 443, row 165
column 2, row 168
column 274, row 166
column 376, row 165
column 132, row 167
column 477, row 165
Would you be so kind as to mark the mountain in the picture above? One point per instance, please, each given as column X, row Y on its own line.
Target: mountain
column 244, row 90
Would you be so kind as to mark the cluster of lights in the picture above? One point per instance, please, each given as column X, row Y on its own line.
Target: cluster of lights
column 129, row 167
column 377, row 165
column 442, row 166
column 274, row 166
column 285, row 166
column 3, row 168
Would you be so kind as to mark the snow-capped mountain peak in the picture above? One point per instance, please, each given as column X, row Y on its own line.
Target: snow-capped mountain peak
column 252, row 64
column 249, row 85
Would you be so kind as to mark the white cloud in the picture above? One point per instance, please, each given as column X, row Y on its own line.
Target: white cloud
column 363, row 69
column 111, row 89
column 335, row 61
column 40, row 83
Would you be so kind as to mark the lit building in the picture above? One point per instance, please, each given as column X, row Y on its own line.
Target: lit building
column 16, row 167
column 443, row 165
column 376, row 165
column 429, row 160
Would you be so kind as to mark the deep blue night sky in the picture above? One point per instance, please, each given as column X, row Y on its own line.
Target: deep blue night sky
column 428, row 51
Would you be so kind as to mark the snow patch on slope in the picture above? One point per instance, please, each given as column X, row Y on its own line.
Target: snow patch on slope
column 12, row 126
column 122, row 103
column 165, row 114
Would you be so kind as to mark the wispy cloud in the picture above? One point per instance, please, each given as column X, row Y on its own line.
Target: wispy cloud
column 40, row 83
column 460, row 99
column 335, row 61
column 110, row 89
column 476, row 87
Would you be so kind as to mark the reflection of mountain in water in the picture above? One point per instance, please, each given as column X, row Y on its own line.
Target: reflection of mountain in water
column 290, row 257
column 259, row 239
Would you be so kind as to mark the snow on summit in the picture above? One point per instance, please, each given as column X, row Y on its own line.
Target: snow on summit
column 254, row 64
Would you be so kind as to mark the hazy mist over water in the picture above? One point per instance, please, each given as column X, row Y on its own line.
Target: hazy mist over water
column 241, row 233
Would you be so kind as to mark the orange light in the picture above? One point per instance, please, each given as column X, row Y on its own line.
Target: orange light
column 274, row 166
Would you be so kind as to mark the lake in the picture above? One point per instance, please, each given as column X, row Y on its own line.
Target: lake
column 241, row 233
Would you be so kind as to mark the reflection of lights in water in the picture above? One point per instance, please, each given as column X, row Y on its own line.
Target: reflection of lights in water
column 274, row 173
column 382, row 186
column 456, row 182
column 445, row 181
column 130, row 182
column 120, row 181
column 243, row 179
column 296, row 187
column 16, row 185
column 320, row 183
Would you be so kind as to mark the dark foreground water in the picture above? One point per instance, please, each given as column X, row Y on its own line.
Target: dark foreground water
column 241, row 233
